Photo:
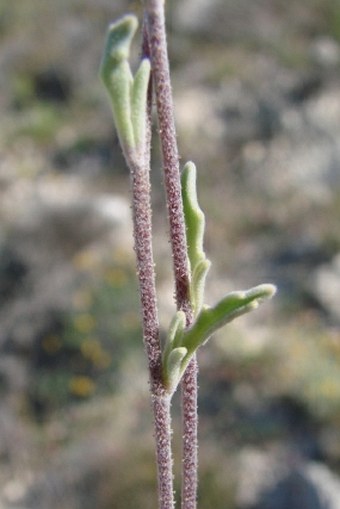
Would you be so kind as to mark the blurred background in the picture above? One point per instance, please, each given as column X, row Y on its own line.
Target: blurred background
column 256, row 86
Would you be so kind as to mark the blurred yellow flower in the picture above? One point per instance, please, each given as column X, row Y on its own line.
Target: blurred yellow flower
column 89, row 347
column 94, row 352
column 81, row 386
column 84, row 322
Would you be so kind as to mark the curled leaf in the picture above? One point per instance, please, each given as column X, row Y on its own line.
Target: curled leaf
column 195, row 226
column 127, row 94
column 116, row 75
column 194, row 217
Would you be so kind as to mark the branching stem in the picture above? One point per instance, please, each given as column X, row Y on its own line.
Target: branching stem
column 161, row 77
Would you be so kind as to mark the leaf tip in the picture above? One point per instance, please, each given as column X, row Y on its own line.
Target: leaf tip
column 117, row 46
column 262, row 292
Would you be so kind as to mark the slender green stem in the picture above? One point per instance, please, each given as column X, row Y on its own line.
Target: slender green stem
column 161, row 76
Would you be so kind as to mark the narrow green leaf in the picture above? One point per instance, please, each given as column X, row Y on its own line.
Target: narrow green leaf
column 182, row 343
column 173, row 368
column 138, row 102
column 197, row 284
column 174, row 335
column 231, row 306
column 195, row 225
column 117, row 78
column 194, row 217
column 173, row 354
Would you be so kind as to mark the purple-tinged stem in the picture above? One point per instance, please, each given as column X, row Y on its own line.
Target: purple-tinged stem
column 142, row 226
column 190, row 443
column 145, row 266
column 161, row 76
column 161, row 409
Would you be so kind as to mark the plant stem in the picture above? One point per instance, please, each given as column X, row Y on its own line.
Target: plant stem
column 190, row 439
column 161, row 76
column 161, row 410
column 145, row 268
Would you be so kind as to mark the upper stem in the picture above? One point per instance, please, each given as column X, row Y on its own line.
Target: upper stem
column 166, row 121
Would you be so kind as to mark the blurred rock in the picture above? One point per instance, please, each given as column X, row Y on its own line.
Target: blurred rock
column 51, row 85
column 294, row 266
column 325, row 51
column 282, row 481
column 12, row 272
column 305, row 156
column 202, row 121
column 326, row 287
column 225, row 19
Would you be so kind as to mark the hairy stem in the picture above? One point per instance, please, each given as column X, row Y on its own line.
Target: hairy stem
column 163, row 432
column 161, row 77
column 190, row 444
column 145, row 268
